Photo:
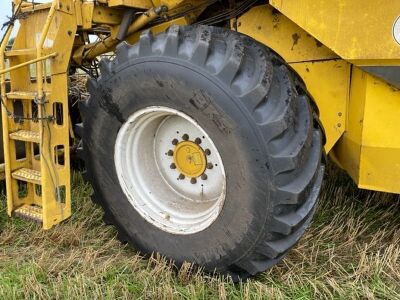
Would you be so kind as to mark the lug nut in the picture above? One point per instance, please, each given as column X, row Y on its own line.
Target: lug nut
column 197, row 141
column 193, row 181
column 175, row 142
column 181, row 176
column 210, row 166
column 185, row 137
column 170, row 153
column 204, row 177
column 173, row 166
column 207, row 152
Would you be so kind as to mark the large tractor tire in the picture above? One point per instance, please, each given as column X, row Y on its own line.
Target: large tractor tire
column 200, row 145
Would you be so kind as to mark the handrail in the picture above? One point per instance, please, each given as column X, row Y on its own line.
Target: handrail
column 4, row 110
column 45, row 31
column 29, row 62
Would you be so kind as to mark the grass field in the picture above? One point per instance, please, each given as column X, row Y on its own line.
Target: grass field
column 352, row 251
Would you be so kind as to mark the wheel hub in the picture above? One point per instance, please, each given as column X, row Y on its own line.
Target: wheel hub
column 190, row 159
column 170, row 170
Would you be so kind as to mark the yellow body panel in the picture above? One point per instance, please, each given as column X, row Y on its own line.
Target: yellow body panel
column 142, row 4
column 327, row 77
column 268, row 26
column 328, row 82
column 359, row 112
column 370, row 148
column 353, row 29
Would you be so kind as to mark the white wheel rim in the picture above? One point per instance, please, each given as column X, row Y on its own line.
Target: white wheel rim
column 145, row 171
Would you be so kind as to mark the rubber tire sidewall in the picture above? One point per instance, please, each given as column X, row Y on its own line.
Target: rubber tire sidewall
column 148, row 82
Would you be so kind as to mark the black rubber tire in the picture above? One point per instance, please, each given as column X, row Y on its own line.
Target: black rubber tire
column 258, row 115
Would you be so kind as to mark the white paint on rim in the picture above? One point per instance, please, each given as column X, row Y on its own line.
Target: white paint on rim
column 396, row 30
column 152, row 187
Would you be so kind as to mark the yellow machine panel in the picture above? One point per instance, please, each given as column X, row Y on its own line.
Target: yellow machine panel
column 327, row 77
column 370, row 148
column 269, row 26
column 359, row 112
column 357, row 30
column 328, row 82
column 144, row 4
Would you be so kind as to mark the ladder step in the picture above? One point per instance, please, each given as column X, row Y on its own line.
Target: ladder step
column 30, row 212
column 24, row 95
column 26, row 136
column 32, row 8
column 27, row 175
column 20, row 52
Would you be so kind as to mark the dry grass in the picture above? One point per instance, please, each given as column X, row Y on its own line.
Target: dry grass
column 352, row 251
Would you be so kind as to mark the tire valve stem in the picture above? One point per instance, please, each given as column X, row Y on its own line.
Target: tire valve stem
column 181, row 176
column 185, row 137
column 173, row 166
column 170, row 153
column 175, row 142
column 193, row 180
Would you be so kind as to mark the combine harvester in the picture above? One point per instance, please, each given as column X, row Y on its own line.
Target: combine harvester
column 205, row 134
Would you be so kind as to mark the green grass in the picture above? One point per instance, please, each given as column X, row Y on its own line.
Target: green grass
column 351, row 251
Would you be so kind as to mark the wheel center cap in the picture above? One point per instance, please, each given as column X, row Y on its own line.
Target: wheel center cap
column 190, row 159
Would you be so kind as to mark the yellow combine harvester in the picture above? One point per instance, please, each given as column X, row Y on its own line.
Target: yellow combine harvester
column 200, row 138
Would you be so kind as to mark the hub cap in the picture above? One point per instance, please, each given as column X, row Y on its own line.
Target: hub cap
column 190, row 159
column 170, row 170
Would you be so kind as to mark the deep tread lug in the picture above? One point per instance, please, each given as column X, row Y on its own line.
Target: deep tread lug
column 79, row 129
column 80, row 153
column 233, row 62
column 202, row 46
column 171, row 42
column 276, row 248
column 92, row 86
column 256, row 95
column 122, row 52
column 145, row 42
column 105, row 68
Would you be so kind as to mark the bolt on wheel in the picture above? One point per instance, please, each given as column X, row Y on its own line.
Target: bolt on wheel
column 170, row 170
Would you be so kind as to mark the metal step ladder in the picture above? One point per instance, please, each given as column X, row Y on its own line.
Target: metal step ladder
column 35, row 116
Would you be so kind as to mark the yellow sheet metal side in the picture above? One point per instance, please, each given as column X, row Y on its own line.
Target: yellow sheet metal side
column 140, row 4
column 270, row 27
column 327, row 77
column 380, row 154
column 61, row 34
column 328, row 83
column 370, row 148
column 347, row 150
column 354, row 29
column 86, row 11
column 107, row 16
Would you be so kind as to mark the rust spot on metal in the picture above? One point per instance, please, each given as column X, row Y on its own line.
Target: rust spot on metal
column 295, row 37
